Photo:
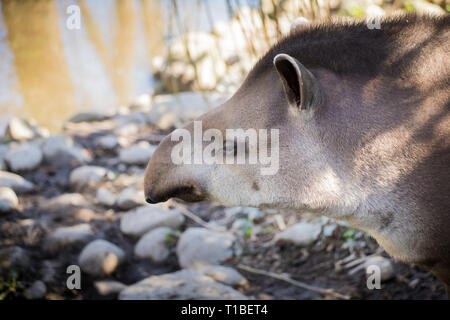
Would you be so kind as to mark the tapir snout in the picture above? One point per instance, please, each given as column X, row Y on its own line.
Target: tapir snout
column 165, row 180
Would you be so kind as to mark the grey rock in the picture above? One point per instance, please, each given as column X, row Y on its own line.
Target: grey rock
column 121, row 167
column 107, row 142
column 384, row 264
column 84, row 214
column 14, row 258
column 232, row 212
column 142, row 102
column 225, row 275
column 85, row 174
column 130, row 198
column 248, row 213
column 37, row 290
column 49, row 270
column 105, row 197
column 126, row 117
column 413, row 283
column 180, row 285
column 65, row 200
column 65, row 236
column 3, row 151
column 199, row 245
column 8, row 200
column 109, row 287
column 168, row 120
column 328, row 230
column 300, row 234
column 25, row 156
column 127, row 129
column 137, row 154
column 19, row 129
column 87, row 117
column 59, row 150
column 154, row 244
column 15, row 182
column 343, row 223
column 100, row 258
column 186, row 105
column 145, row 218
column 232, row 60
column 424, row 7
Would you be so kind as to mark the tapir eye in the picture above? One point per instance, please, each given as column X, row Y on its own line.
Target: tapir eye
column 235, row 148
column 230, row 147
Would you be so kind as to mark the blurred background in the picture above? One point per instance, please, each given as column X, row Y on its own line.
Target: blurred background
column 88, row 88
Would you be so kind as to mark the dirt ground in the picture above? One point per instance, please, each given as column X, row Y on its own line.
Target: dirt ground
column 317, row 265
column 314, row 266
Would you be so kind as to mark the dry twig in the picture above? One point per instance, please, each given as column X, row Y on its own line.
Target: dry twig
column 194, row 217
column 323, row 291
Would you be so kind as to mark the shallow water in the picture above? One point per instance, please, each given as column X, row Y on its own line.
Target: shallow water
column 50, row 70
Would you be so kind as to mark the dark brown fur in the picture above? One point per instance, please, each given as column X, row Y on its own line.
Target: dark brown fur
column 351, row 48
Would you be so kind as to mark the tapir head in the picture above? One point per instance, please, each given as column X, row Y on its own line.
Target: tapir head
column 260, row 148
column 339, row 119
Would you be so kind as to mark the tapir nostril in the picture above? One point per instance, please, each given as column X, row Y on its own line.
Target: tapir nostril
column 150, row 200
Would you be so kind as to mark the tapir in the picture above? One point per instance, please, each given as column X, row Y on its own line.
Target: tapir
column 363, row 120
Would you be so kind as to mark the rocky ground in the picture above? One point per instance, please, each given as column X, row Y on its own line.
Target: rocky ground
column 76, row 199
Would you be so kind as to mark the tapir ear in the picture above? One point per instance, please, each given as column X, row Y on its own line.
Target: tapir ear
column 300, row 86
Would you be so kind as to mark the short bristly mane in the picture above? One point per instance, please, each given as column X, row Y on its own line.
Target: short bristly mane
column 351, row 47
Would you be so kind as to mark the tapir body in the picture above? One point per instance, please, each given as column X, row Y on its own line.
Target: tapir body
column 364, row 135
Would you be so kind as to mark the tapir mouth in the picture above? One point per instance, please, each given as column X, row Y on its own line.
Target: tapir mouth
column 186, row 193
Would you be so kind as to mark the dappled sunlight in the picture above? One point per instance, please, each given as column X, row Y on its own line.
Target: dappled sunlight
column 393, row 154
